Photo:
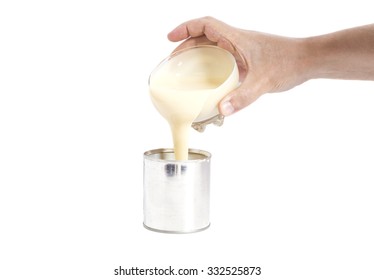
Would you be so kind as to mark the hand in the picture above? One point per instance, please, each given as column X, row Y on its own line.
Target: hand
column 267, row 63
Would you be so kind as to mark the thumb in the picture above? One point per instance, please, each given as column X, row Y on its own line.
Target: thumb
column 239, row 98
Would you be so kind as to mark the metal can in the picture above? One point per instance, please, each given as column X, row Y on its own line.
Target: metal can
column 176, row 194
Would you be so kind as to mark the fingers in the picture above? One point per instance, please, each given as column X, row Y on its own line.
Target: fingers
column 206, row 30
column 208, row 26
column 192, row 28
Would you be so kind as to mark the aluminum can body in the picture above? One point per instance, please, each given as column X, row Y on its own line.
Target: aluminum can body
column 176, row 194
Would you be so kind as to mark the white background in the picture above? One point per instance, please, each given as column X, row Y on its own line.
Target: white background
column 292, row 175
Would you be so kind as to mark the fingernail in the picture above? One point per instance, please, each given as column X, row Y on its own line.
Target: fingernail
column 227, row 108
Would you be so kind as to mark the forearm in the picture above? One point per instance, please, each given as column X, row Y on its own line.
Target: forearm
column 347, row 54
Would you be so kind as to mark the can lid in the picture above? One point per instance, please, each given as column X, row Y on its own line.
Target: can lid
column 201, row 125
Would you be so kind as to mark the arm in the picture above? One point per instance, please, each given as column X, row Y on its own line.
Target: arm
column 270, row 63
column 346, row 54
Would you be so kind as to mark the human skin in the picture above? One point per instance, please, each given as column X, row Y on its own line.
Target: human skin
column 270, row 63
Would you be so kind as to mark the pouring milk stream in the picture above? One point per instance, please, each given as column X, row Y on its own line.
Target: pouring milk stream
column 187, row 86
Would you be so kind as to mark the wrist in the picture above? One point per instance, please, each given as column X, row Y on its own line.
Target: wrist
column 314, row 58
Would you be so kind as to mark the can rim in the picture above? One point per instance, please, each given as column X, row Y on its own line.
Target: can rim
column 205, row 155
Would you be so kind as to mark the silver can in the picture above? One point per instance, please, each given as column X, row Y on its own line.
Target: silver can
column 176, row 193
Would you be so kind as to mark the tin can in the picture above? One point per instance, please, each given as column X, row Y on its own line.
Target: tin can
column 176, row 194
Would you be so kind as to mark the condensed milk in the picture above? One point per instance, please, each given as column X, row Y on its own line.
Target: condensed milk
column 187, row 86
